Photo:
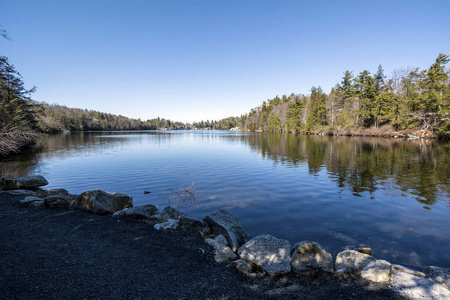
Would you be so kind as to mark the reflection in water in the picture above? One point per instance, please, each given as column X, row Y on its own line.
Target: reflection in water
column 420, row 167
column 338, row 191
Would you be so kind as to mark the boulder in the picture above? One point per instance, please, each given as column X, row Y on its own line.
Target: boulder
column 268, row 253
column 54, row 192
column 58, row 201
column 32, row 201
column 402, row 269
column 101, row 202
column 241, row 266
column 415, row 287
column 170, row 213
column 145, row 212
column 351, row 261
column 23, row 183
column 222, row 253
column 193, row 226
column 171, row 224
column 308, row 256
column 377, row 271
column 439, row 275
column 21, row 193
column 223, row 223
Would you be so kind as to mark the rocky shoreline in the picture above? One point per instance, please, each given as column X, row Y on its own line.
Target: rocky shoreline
column 261, row 257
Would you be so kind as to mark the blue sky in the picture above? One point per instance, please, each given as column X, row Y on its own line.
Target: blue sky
column 192, row 60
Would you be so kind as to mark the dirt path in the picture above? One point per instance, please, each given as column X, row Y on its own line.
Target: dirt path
column 55, row 254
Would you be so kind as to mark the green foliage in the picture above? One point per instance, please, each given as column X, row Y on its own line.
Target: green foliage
column 275, row 123
column 405, row 101
column 16, row 107
column 316, row 110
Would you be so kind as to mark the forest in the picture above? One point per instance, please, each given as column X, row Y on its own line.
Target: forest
column 362, row 104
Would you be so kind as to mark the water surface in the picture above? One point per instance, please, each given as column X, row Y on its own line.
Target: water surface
column 392, row 195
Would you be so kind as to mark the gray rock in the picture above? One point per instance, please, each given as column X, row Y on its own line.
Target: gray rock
column 439, row 275
column 171, row 224
column 415, row 287
column 193, row 226
column 101, row 202
column 32, row 201
column 377, row 271
column 361, row 248
column 222, row 222
column 54, row 192
column 402, row 269
column 58, row 201
column 268, row 253
column 21, row 193
column 23, row 183
column 170, row 213
column 241, row 266
column 351, row 261
column 145, row 212
column 222, row 253
column 308, row 255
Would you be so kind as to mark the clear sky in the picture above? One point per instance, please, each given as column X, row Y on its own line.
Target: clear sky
column 193, row 60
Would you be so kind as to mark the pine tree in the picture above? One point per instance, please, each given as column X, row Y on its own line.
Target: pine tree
column 16, row 107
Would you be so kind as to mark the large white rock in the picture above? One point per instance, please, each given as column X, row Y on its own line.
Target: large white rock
column 223, row 223
column 222, row 253
column 268, row 253
column 23, row 183
column 439, row 275
column 101, row 202
column 308, row 255
column 415, row 287
column 377, row 271
column 351, row 261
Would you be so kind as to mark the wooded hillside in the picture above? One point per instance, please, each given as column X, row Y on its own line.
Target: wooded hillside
column 362, row 103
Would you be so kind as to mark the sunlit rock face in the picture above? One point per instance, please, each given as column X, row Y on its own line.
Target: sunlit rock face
column 268, row 253
column 351, row 261
column 311, row 256
column 101, row 202
column 439, row 275
column 223, row 223
column 23, row 183
column 222, row 253
column 415, row 287
column 377, row 271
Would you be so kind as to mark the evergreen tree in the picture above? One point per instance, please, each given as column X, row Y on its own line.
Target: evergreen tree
column 316, row 110
column 367, row 94
column 16, row 107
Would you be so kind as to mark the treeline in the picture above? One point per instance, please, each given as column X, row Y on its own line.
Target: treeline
column 409, row 99
column 22, row 119
column 56, row 118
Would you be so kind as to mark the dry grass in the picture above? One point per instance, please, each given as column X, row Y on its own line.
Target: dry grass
column 13, row 137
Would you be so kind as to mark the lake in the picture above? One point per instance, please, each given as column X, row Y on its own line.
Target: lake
column 393, row 195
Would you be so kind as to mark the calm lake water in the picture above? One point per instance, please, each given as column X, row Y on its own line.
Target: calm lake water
column 393, row 195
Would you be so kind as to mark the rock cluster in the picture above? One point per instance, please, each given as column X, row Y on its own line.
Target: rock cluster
column 261, row 255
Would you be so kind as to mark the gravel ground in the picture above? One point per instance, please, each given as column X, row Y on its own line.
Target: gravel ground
column 64, row 254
